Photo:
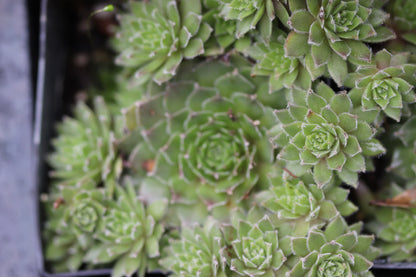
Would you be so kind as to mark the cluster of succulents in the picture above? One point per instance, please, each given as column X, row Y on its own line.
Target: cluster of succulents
column 234, row 134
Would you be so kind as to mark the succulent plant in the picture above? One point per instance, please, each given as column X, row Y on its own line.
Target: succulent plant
column 319, row 130
column 85, row 148
column 156, row 35
column 248, row 14
column 283, row 71
column 130, row 235
column 199, row 252
column 223, row 31
column 255, row 248
column 332, row 32
column 395, row 229
column 74, row 216
column 63, row 250
column 403, row 17
column 228, row 135
column 203, row 139
column 403, row 161
column 385, row 84
column 293, row 200
column 339, row 250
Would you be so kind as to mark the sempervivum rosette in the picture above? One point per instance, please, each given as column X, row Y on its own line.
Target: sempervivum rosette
column 157, row 35
column 249, row 13
column 130, row 234
column 403, row 162
column 395, row 230
column 199, row 252
column 223, row 31
column 301, row 202
column 337, row 251
column 318, row 130
column 85, row 148
column 403, row 18
column 330, row 32
column 255, row 249
column 283, row 71
column 74, row 216
column 203, row 139
column 385, row 84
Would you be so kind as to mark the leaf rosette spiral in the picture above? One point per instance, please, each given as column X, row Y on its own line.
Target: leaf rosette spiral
column 249, row 14
column 339, row 250
column 74, row 216
column 255, row 248
column 299, row 201
column 385, row 84
column 403, row 161
column 319, row 130
column 204, row 139
column 330, row 32
column 223, row 31
column 199, row 252
column 395, row 230
column 283, row 71
column 403, row 18
column 155, row 37
column 130, row 234
column 85, row 148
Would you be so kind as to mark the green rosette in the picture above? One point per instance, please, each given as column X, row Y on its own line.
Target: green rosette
column 330, row 33
column 319, row 131
column 155, row 36
column 202, row 142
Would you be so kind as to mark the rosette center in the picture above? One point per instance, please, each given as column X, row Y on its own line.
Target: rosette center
column 320, row 141
column 334, row 266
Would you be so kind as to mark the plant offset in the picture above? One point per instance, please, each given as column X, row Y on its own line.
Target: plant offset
column 235, row 135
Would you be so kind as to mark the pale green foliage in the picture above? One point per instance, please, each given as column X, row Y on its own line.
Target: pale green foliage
column 74, row 216
column 255, row 248
column 328, row 33
column 339, row 250
column 249, row 14
column 223, row 31
column 403, row 17
column 301, row 202
column 396, row 233
column 319, row 130
column 130, row 234
column 236, row 111
column 271, row 61
column 85, row 148
column 403, row 161
column 385, row 84
column 202, row 137
column 199, row 252
column 157, row 35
